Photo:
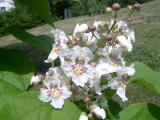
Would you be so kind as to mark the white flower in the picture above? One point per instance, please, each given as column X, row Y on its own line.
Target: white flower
column 60, row 46
column 35, row 80
column 131, row 34
column 78, row 68
column 99, row 112
column 125, row 42
column 97, row 24
column 56, row 95
column 55, row 76
column 83, row 116
column 120, row 87
column 83, row 28
column 60, row 35
column 57, row 51
column 107, row 66
column 91, row 40
column 83, row 52
column 130, row 71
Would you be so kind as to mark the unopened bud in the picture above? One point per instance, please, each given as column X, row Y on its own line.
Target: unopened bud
column 130, row 7
column 137, row 6
column 90, row 115
column 83, row 116
column 99, row 112
column 116, row 6
column 35, row 80
column 109, row 10
column 86, row 99
column 109, row 37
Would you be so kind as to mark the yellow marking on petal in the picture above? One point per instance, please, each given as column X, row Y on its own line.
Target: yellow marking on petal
column 55, row 50
column 75, row 71
column 123, row 85
column 55, row 94
column 114, row 65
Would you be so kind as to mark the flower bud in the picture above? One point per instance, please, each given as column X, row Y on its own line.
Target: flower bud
column 99, row 112
column 35, row 80
column 116, row 6
column 130, row 7
column 137, row 6
column 90, row 115
column 109, row 10
column 91, row 28
column 83, row 116
column 109, row 37
column 86, row 99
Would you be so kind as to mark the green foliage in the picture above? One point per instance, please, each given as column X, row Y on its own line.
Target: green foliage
column 21, row 15
column 140, row 111
column 28, row 107
column 43, row 43
column 147, row 77
column 20, row 81
column 42, row 9
column 15, row 61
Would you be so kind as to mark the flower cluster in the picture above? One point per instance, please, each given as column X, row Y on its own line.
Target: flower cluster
column 92, row 54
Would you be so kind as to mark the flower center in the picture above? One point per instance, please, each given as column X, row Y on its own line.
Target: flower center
column 78, row 69
column 55, row 93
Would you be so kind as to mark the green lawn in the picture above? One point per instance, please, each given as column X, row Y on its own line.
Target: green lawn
column 146, row 49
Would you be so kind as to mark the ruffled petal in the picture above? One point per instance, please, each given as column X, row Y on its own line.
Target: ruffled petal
column 57, row 103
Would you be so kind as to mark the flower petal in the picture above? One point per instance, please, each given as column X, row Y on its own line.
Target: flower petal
column 57, row 103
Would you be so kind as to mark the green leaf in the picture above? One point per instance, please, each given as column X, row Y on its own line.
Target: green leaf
column 147, row 77
column 8, row 89
column 19, row 81
column 43, row 43
column 114, row 107
column 28, row 107
column 41, row 7
column 140, row 111
column 15, row 61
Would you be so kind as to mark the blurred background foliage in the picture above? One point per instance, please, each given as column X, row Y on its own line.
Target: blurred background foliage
column 27, row 19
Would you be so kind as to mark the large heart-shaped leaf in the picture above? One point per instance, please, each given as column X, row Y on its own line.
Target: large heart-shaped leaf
column 43, row 43
column 28, row 107
column 15, row 61
column 41, row 7
column 147, row 77
column 20, row 81
column 8, row 89
column 140, row 111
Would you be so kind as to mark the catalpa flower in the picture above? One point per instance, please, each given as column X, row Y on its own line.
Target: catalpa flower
column 78, row 68
column 60, row 47
column 119, row 83
column 107, row 65
column 56, row 94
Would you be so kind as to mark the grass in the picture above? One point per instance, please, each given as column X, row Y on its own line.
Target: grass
column 146, row 49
